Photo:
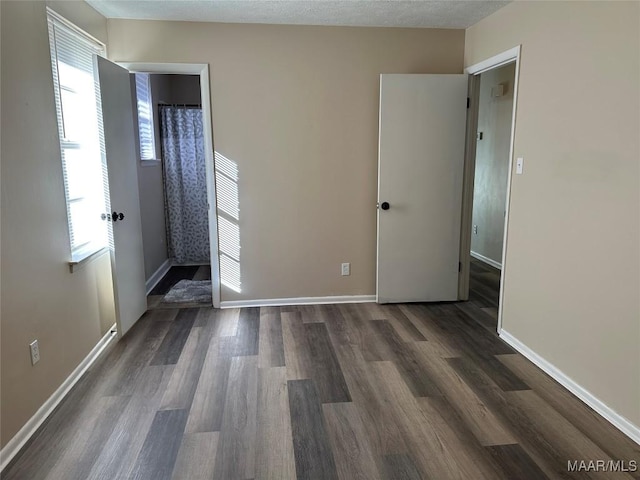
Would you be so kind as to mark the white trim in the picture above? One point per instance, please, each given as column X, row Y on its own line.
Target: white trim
column 175, row 68
column 484, row 259
column 81, row 261
column 278, row 302
column 214, row 247
column 496, row 61
column 157, row 275
column 378, row 193
column 201, row 69
column 505, row 241
column 26, row 432
column 617, row 420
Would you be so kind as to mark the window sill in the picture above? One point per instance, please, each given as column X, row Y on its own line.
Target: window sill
column 150, row 163
column 81, row 258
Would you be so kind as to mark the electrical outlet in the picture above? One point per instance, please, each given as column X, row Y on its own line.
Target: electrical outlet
column 35, row 352
column 346, row 269
column 475, row 229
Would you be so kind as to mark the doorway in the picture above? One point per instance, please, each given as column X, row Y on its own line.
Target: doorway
column 183, row 172
column 493, row 135
column 177, row 108
column 487, row 184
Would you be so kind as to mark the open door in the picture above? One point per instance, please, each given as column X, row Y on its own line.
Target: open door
column 127, row 260
column 420, row 170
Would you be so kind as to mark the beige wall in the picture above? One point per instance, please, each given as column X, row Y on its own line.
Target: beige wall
column 297, row 109
column 573, row 266
column 40, row 299
column 82, row 15
column 492, row 162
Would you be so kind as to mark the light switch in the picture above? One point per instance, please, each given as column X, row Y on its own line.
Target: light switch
column 519, row 165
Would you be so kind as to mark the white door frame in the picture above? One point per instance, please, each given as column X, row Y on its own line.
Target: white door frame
column 201, row 69
column 474, row 71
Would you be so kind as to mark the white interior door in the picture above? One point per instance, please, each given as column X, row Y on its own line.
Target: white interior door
column 420, row 168
column 127, row 258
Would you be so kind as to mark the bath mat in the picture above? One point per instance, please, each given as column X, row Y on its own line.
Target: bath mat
column 189, row 291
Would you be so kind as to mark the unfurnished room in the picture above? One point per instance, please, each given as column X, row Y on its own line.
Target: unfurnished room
column 309, row 239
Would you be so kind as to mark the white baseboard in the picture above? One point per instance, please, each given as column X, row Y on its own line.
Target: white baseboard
column 157, row 276
column 617, row 420
column 26, row 432
column 484, row 259
column 278, row 302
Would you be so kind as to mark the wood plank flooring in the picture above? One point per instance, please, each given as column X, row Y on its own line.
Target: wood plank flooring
column 362, row 391
column 484, row 286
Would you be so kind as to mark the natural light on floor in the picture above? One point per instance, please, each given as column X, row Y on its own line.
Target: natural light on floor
column 228, row 216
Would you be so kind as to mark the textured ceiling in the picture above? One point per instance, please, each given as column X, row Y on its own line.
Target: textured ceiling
column 380, row 13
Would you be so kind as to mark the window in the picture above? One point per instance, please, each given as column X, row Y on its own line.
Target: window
column 77, row 98
column 145, row 117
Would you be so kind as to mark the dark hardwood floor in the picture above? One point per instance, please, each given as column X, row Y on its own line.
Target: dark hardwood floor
column 484, row 288
column 355, row 391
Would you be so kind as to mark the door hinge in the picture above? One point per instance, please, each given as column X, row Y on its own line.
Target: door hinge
column 459, row 267
column 468, row 102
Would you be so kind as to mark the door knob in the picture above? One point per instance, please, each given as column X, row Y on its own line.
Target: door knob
column 384, row 205
column 115, row 216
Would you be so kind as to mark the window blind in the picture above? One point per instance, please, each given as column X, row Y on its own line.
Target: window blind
column 77, row 98
column 145, row 117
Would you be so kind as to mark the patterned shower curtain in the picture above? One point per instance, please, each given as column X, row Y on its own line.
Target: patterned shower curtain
column 185, row 184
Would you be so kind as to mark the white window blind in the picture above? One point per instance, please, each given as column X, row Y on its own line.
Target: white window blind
column 145, row 117
column 77, row 97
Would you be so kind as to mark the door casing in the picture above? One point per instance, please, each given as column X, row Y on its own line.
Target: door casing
column 474, row 72
column 201, row 69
